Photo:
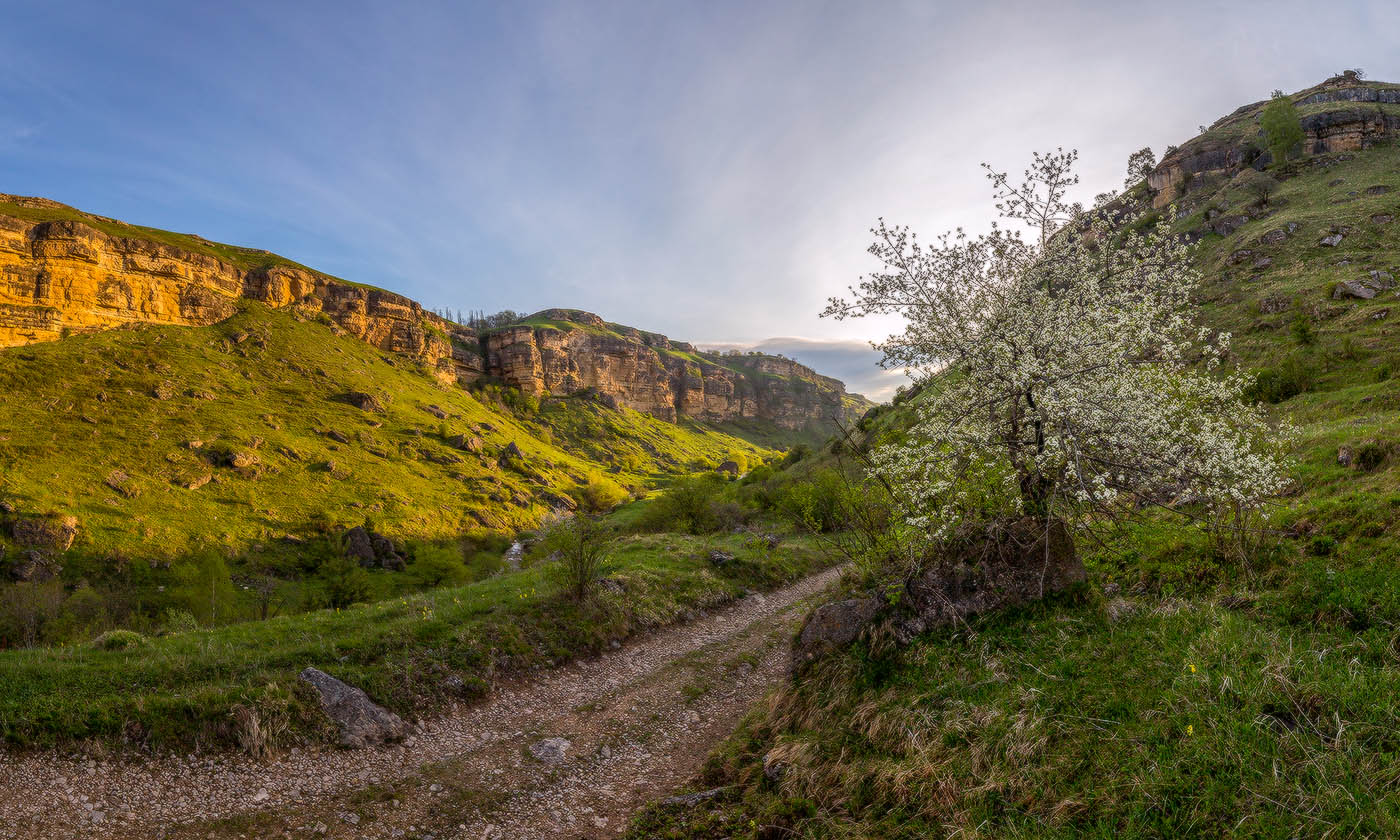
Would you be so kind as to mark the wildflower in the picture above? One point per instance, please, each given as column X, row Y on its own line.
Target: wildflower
column 1190, row 730
column 1192, row 667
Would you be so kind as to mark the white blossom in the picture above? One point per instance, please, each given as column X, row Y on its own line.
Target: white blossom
column 1065, row 376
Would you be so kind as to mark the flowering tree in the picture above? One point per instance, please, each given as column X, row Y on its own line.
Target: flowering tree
column 1063, row 377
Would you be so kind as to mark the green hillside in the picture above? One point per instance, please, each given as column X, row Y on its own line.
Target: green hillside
column 1178, row 694
column 239, row 448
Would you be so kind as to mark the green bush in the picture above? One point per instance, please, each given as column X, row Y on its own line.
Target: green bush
column 1370, row 456
column 821, row 503
column 436, row 565
column 119, row 640
column 1275, row 385
column 597, row 495
column 688, row 506
column 176, row 620
column 343, row 582
column 582, row 546
column 1303, row 331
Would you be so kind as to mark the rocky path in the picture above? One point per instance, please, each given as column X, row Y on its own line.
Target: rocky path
column 570, row 754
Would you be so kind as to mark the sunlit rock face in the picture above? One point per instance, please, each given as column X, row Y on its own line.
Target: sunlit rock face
column 1342, row 114
column 575, row 351
column 65, row 276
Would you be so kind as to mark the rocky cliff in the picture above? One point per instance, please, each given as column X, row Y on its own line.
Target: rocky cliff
column 1344, row 113
column 566, row 351
column 65, row 275
column 63, row 271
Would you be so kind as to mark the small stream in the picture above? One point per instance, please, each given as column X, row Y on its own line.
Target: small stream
column 514, row 555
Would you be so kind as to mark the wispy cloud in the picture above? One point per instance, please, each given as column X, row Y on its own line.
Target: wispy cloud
column 695, row 169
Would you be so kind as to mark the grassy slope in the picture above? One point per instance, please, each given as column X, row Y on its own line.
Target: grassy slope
column 178, row 690
column 1207, row 701
column 274, row 395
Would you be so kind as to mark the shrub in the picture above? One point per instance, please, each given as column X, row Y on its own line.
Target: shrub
column 819, row 504
column 176, row 620
column 688, row 506
column 1274, row 385
column 435, row 565
column 582, row 545
column 26, row 609
column 1322, row 546
column 1371, row 455
column 343, row 582
column 795, row 454
column 119, row 640
column 1303, row 331
column 597, row 495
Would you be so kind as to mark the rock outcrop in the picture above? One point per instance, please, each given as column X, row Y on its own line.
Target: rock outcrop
column 66, row 275
column 1343, row 114
column 63, row 272
column 568, row 351
column 1010, row 565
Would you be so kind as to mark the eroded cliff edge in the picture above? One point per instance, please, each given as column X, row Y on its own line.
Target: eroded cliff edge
column 63, row 272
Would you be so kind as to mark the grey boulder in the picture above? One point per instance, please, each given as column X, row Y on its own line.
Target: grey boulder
column 362, row 722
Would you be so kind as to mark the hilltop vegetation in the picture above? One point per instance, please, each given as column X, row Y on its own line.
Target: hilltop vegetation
column 1179, row 692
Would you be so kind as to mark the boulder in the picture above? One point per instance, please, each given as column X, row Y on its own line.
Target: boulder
column 690, row 800
column 550, row 750
column 720, row 559
column 1354, row 289
column 46, row 533
column 385, row 554
column 1226, row 225
column 1016, row 565
column 1344, row 456
column 1380, row 279
column 338, row 437
column 510, row 453
column 122, row 483
column 1242, row 255
column 359, row 546
column 242, row 460
column 1332, row 240
column 362, row 723
column 466, row 444
column 1272, row 305
column 1273, row 237
column 729, row 467
column 1011, row 564
column 831, row 627
column 1263, row 262
column 364, row 402
column 1382, row 219
column 35, row 567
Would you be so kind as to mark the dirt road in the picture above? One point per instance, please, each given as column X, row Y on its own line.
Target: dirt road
column 569, row 754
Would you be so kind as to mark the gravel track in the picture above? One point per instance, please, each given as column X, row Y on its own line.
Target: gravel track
column 638, row 720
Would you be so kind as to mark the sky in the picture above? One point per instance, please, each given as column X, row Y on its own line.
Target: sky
column 708, row 169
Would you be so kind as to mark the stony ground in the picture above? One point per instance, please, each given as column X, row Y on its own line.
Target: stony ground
column 570, row 754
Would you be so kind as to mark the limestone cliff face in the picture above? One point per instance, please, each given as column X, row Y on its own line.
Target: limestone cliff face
column 573, row 351
column 65, row 272
column 1343, row 114
column 63, row 276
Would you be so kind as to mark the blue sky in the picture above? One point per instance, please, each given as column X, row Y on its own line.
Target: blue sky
column 704, row 169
